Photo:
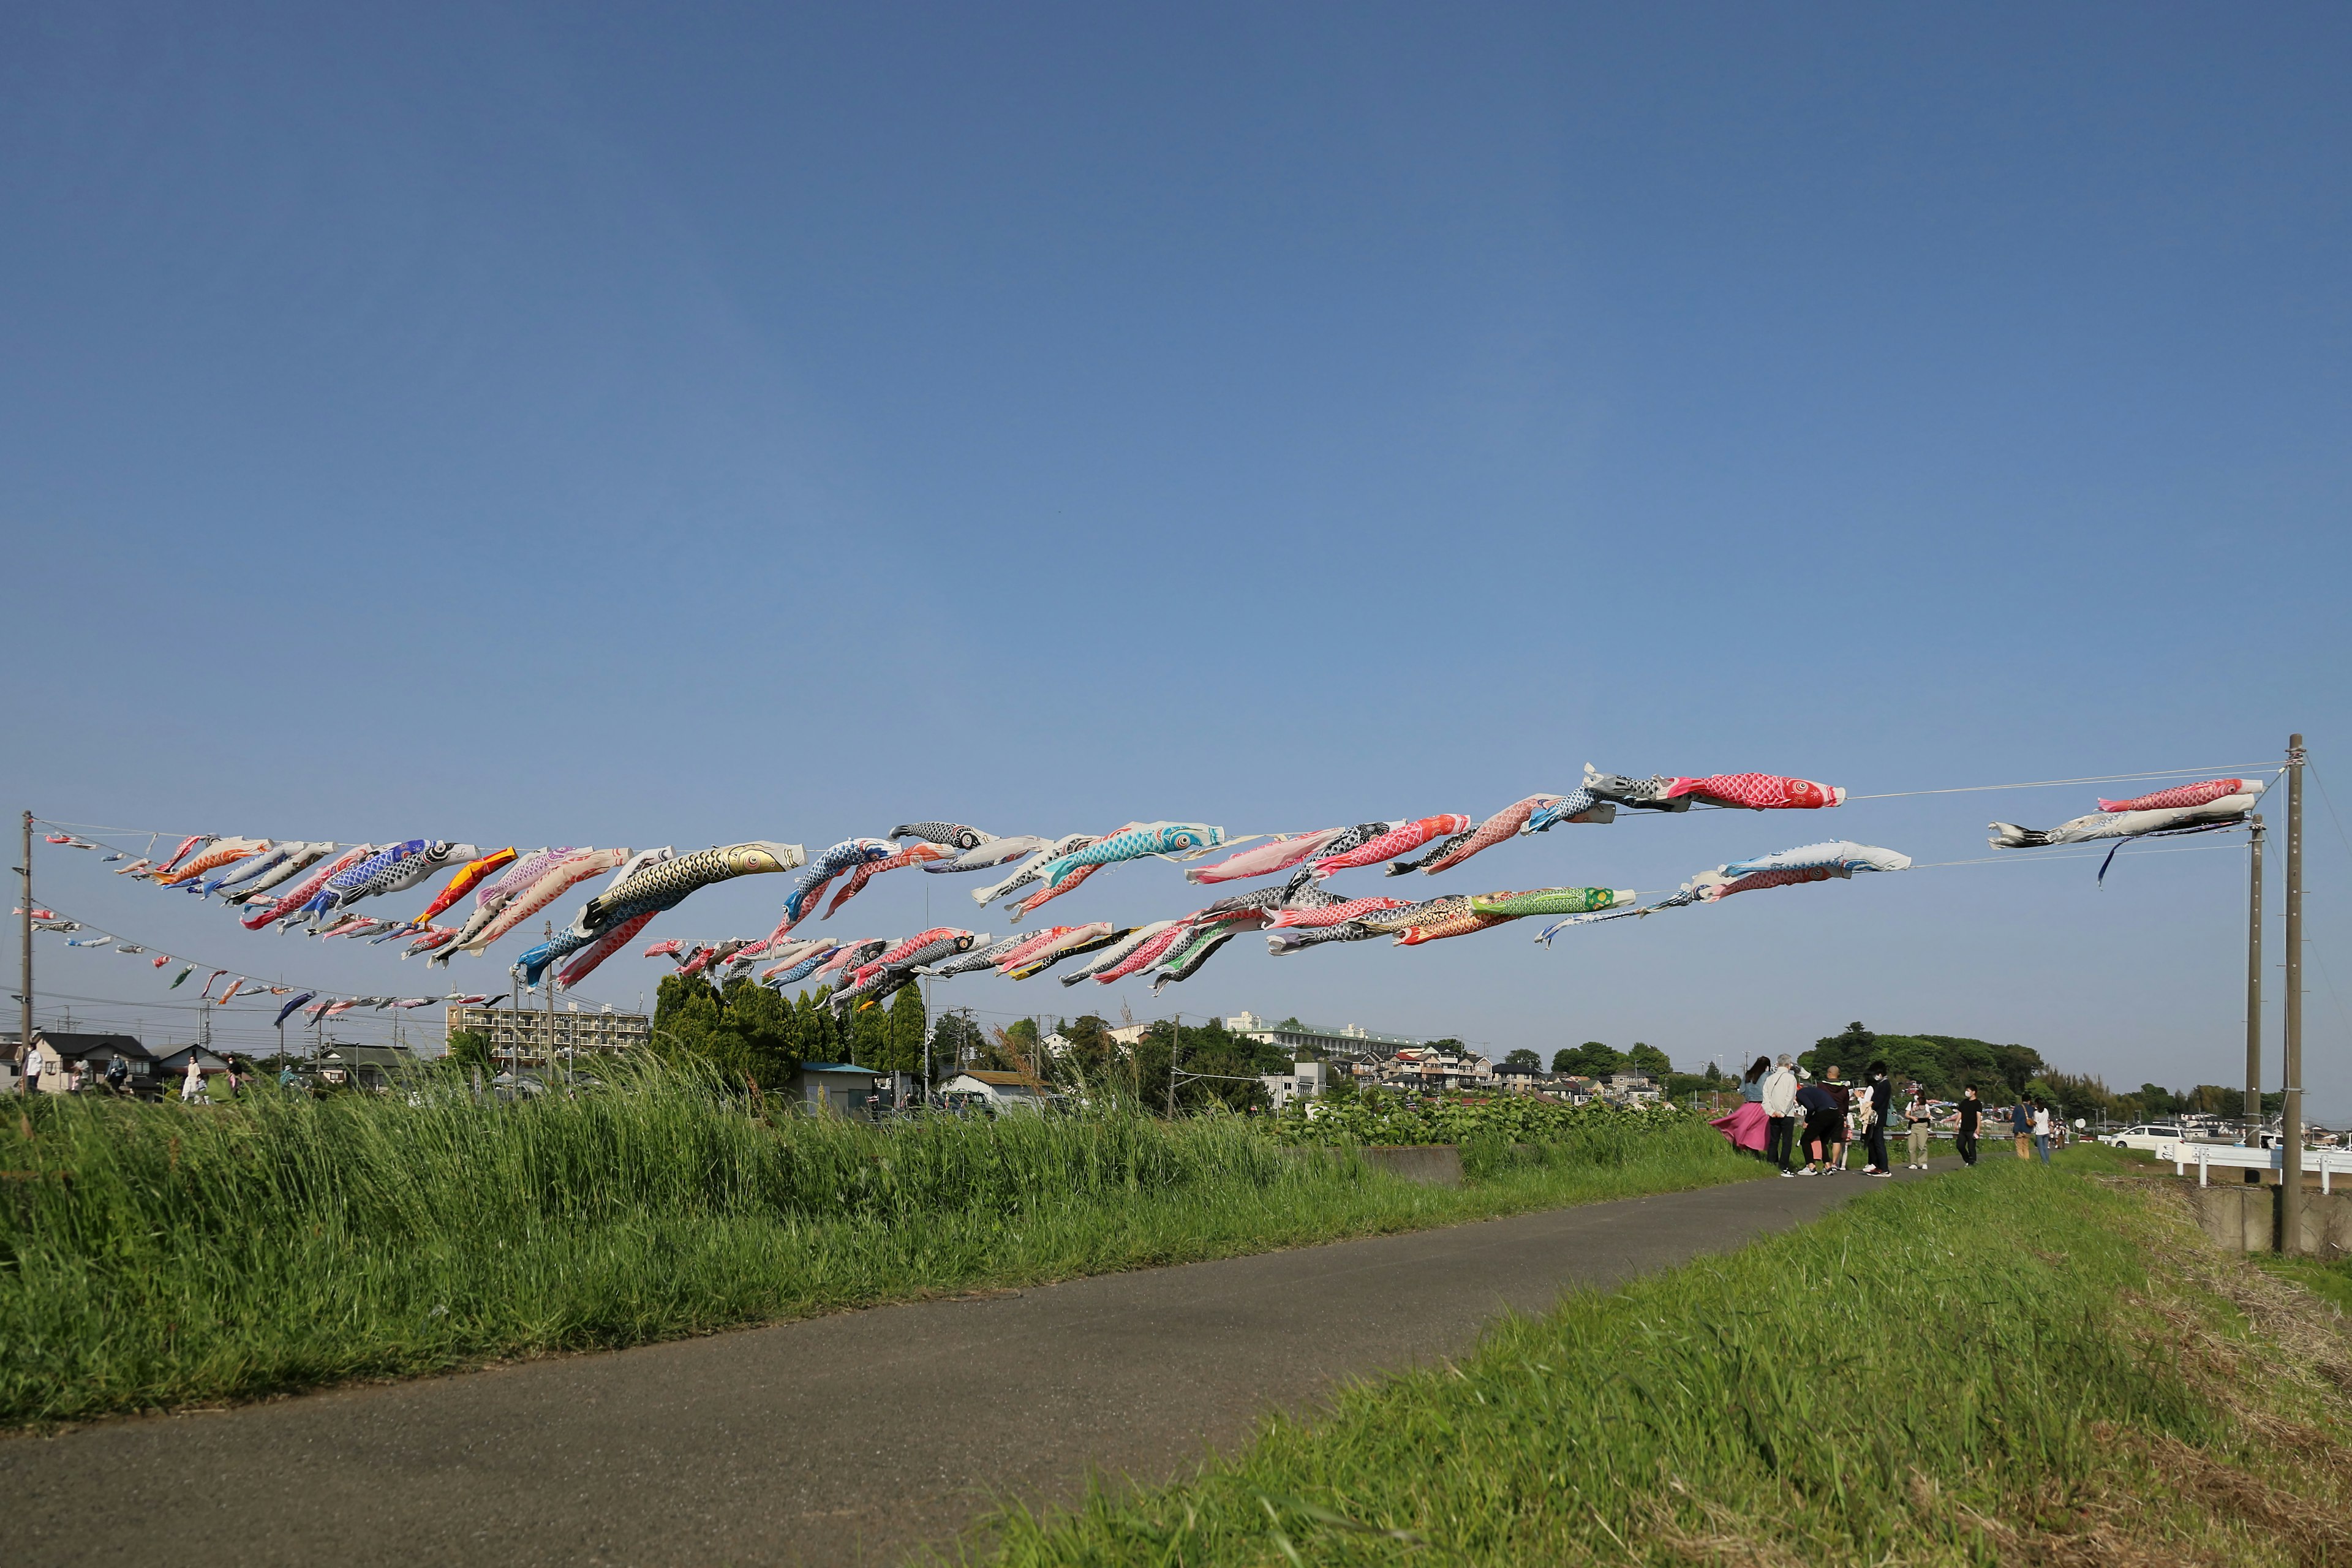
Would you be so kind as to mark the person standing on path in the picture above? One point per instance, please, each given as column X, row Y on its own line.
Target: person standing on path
column 2041, row 1131
column 191, row 1088
column 1882, row 1105
column 1844, row 1093
column 1964, row 1137
column 1780, row 1107
column 1915, row 1112
column 1823, row 1118
column 118, row 1075
column 2020, row 1123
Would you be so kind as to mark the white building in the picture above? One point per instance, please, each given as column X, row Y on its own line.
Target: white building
column 1305, row 1080
column 1002, row 1090
column 1344, row 1040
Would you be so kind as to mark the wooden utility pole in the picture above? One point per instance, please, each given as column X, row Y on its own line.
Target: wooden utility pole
column 25, row 955
column 2291, row 1153
column 2252, row 1119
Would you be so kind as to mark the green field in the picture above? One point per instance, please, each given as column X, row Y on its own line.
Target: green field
column 2011, row 1365
column 156, row 1256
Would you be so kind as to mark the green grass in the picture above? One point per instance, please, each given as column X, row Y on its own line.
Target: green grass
column 155, row 1256
column 2008, row 1364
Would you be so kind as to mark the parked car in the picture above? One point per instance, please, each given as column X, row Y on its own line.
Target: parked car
column 2150, row 1135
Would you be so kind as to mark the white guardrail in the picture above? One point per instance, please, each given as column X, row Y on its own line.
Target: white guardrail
column 2328, row 1163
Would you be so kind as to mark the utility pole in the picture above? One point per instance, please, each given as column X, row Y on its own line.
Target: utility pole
column 25, row 957
column 2291, row 1153
column 1175, row 1037
column 2252, row 1119
column 549, row 936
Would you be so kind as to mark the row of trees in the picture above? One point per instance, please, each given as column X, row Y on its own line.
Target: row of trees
column 1594, row 1060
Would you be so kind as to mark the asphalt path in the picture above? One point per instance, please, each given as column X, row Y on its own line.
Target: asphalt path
column 847, row 1439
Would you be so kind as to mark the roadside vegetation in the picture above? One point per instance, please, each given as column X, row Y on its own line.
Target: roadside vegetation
column 2011, row 1365
column 155, row 1256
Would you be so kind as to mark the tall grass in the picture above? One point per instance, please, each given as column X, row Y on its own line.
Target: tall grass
column 2007, row 1365
column 153, row 1256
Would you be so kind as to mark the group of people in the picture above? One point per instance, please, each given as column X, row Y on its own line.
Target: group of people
column 116, row 1077
column 1805, row 1126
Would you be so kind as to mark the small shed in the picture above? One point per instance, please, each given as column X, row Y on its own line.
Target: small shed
column 835, row 1087
column 998, row 1090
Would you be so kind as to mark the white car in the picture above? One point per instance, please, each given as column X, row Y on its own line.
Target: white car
column 2148, row 1135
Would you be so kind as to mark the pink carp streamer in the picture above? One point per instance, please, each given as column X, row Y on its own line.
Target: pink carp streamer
column 1757, row 792
column 1266, row 859
column 1333, row 914
column 916, row 854
column 306, row 888
column 556, row 882
column 1503, row 825
column 585, row 961
column 1029, row 905
column 1396, row 841
column 2204, row 794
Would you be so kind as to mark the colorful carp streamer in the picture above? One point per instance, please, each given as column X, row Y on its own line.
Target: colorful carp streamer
column 1396, row 841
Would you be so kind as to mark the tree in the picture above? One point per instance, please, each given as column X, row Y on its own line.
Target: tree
column 746, row 1032
column 1524, row 1057
column 903, row 1031
column 1649, row 1060
column 1590, row 1059
column 956, row 1043
column 1714, row 1075
column 470, row 1049
column 1225, row 1068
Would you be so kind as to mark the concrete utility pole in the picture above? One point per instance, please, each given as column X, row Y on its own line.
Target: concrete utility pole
column 2291, row 1157
column 25, row 956
column 2252, row 1119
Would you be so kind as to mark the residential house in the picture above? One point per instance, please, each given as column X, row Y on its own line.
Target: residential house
column 997, row 1090
column 1632, row 1089
column 365, row 1066
column 1305, row 1080
column 68, row 1058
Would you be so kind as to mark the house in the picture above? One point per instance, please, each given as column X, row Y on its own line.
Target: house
column 1632, row 1088
column 365, row 1066
column 66, row 1056
column 835, row 1087
column 1305, row 1080
column 1519, row 1078
column 997, row 1090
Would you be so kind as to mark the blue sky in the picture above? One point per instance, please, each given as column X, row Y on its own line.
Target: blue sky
column 678, row 426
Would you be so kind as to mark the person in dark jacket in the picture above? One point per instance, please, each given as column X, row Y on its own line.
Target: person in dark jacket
column 1882, row 1102
column 1965, row 1138
column 2021, row 1126
column 1824, row 1124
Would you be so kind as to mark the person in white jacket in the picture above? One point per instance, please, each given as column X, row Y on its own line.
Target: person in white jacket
column 1781, row 1110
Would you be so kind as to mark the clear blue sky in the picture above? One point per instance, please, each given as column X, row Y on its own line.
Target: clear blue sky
column 683, row 425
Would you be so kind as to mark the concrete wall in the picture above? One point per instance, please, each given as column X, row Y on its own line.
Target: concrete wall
column 2245, row 1218
column 1431, row 1164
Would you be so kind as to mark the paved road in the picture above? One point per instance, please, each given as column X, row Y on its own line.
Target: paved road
column 839, row 1440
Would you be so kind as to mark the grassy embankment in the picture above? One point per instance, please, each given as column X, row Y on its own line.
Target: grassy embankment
column 153, row 1256
column 2013, row 1365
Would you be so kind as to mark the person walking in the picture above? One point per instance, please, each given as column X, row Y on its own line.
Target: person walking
column 31, row 1081
column 191, row 1088
column 2041, row 1131
column 1780, row 1110
column 1882, row 1106
column 1747, row 1127
column 1823, row 1118
column 2020, row 1125
column 1964, row 1136
column 1844, row 1093
column 118, row 1075
column 1917, row 1112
